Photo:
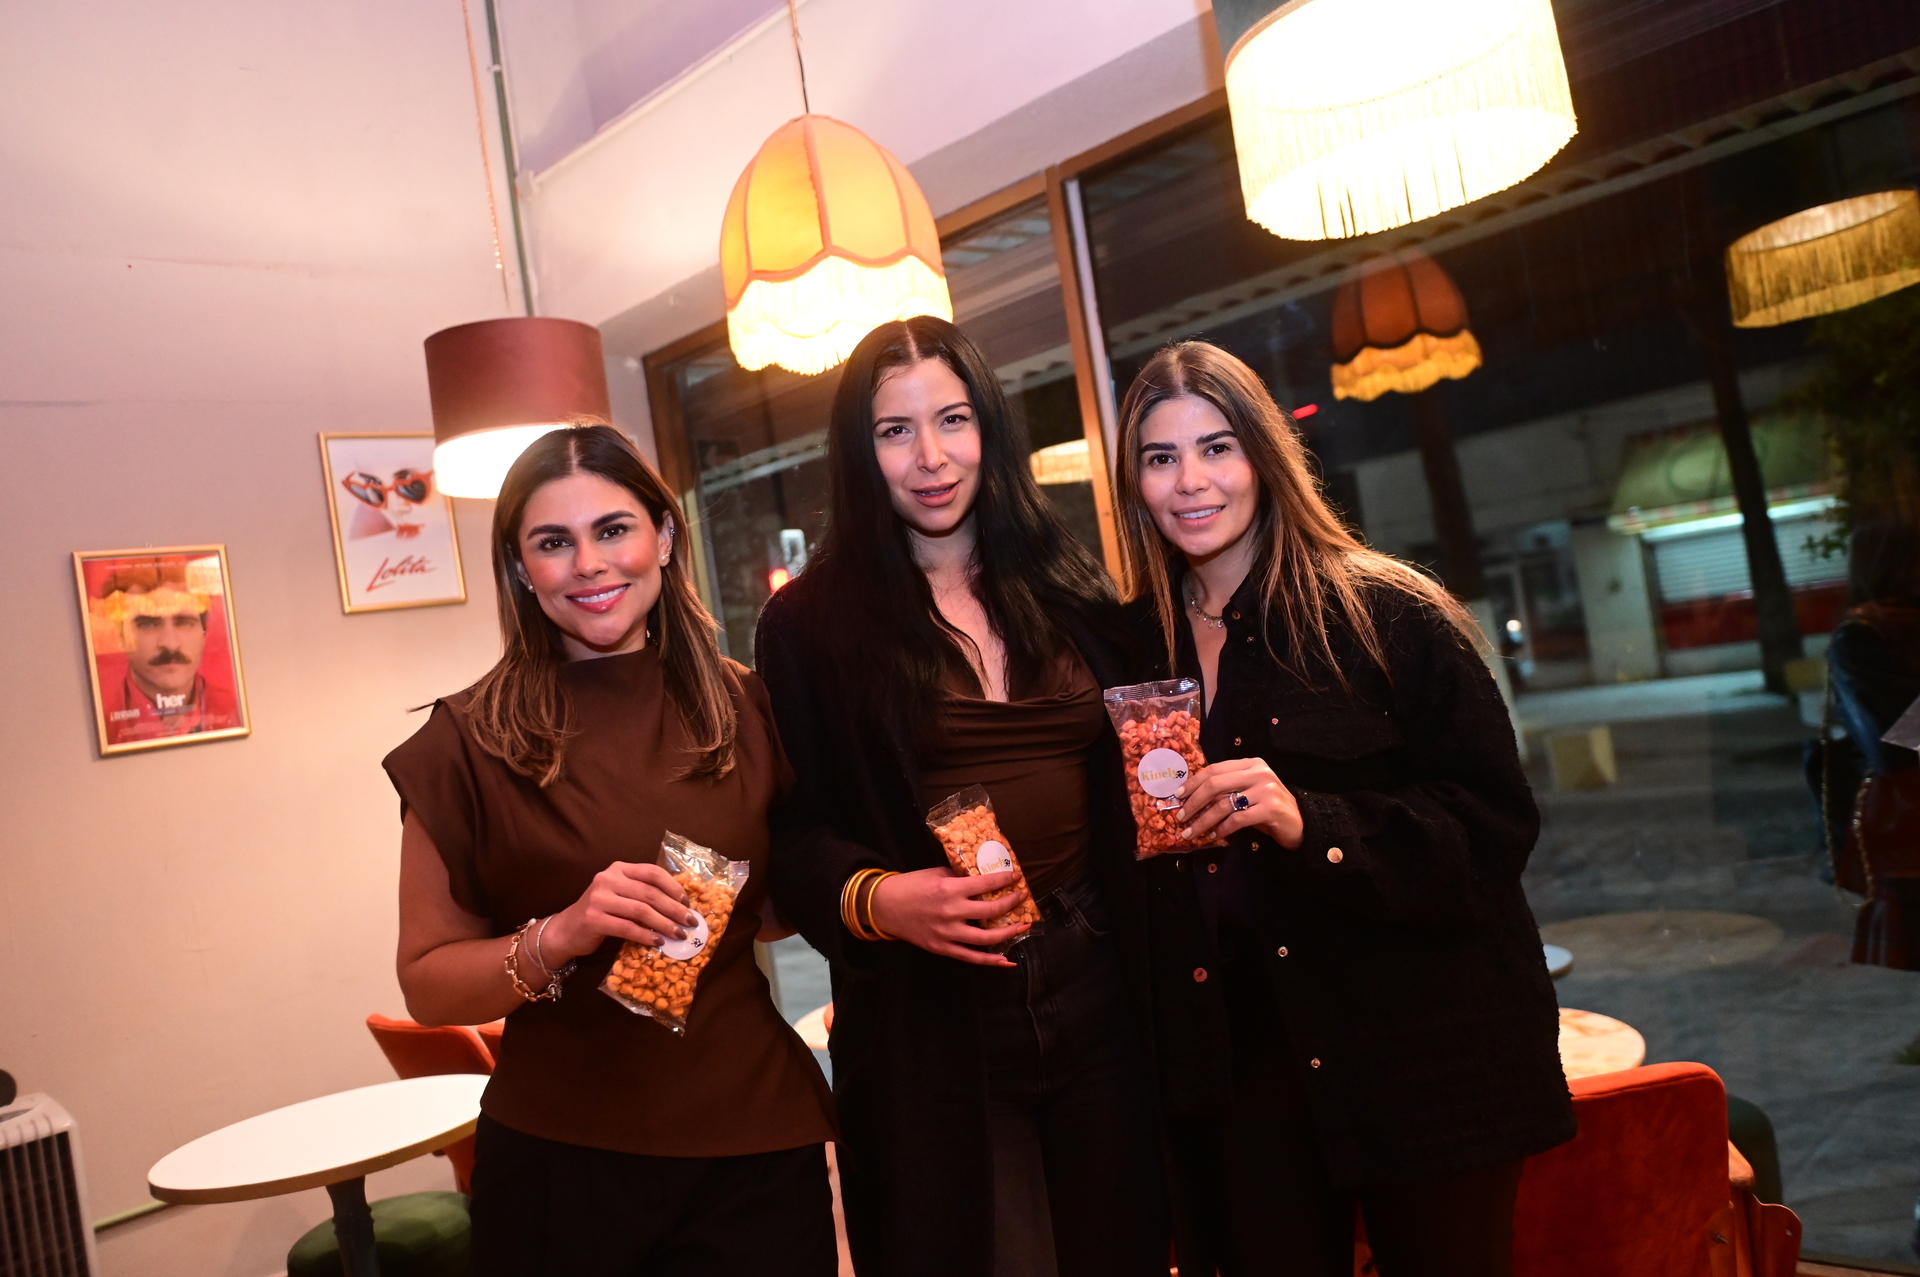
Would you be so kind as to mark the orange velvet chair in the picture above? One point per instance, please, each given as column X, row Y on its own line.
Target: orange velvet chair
column 1650, row 1187
column 415, row 1050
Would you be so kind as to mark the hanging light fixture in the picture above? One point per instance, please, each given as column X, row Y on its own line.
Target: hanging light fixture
column 1399, row 324
column 1825, row 259
column 1355, row 116
column 826, row 237
column 499, row 384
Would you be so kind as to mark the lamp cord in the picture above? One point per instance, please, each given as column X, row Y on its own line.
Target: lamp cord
column 793, row 24
column 486, row 160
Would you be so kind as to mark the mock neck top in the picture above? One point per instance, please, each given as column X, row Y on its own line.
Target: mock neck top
column 584, row 1070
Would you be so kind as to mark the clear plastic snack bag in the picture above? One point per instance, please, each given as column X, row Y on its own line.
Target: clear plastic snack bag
column 966, row 828
column 661, row 982
column 1159, row 726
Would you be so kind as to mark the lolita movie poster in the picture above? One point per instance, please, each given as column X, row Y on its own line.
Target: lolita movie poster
column 393, row 537
column 163, row 654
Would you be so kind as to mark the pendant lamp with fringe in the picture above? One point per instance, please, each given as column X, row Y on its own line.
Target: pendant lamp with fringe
column 1356, row 116
column 1825, row 259
column 826, row 237
column 1399, row 324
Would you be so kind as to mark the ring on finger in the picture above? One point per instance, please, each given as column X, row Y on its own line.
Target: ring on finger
column 1239, row 801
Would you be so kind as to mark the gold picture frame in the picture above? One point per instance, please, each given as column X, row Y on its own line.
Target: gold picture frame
column 163, row 648
column 394, row 541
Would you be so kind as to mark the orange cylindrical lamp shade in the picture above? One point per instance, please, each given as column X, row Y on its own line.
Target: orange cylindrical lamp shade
column 826, row 236
column 1399, row 324
column 499, row 384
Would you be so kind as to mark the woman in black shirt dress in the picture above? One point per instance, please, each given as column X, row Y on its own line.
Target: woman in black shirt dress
column 1350, row 998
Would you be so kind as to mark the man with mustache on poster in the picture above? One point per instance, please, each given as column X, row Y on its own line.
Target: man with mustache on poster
column 163, row 631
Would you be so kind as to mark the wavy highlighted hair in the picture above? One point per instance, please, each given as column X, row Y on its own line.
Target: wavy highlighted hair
column 519, row 712
column 1311, row 568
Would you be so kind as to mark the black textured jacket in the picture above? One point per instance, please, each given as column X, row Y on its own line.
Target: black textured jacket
column 1402, row 952
column 910, row 1077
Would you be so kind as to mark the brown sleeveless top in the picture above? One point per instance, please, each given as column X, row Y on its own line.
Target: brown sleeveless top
column 1032, row 756
column 585, row 1070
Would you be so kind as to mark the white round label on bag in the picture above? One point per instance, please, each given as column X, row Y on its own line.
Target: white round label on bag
column 1161, row 771
column 681, row 950
column 993, row 857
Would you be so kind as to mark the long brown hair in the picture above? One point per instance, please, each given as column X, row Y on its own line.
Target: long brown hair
column 1311, row 567
column 519, row 710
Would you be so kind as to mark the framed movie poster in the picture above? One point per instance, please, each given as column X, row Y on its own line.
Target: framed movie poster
column 393, row 536
column 162, row 652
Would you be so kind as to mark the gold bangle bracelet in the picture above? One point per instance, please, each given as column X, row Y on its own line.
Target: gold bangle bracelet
column 849, row 900
column 866, row 914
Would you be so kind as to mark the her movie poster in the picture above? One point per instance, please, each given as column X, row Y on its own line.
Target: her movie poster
column 393, row 537
column 163, row 655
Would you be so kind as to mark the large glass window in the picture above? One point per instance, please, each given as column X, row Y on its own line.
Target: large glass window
column 1682, row 860
column 754, row 442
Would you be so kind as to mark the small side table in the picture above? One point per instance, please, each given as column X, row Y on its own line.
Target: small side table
column 333, row 1142
column 1591, row 1044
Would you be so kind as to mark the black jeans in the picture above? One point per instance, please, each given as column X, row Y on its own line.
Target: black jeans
column 1255, row 1189
column 1078, row 1187
column 546, row 1209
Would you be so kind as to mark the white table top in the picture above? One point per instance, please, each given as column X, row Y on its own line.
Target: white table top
column 319, row 1142
column 1559, row 960
column 1592, row 1044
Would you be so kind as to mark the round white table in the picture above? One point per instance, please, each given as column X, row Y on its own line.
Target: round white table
column 1559, row 960
column 333, row 1142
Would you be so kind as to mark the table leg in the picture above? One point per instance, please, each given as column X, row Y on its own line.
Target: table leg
column 353, row 1228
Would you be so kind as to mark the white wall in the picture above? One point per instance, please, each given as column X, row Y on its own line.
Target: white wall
column 227, row 226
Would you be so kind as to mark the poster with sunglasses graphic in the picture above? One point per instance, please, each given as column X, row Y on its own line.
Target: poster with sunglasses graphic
column 393, row 535
column 162, row 652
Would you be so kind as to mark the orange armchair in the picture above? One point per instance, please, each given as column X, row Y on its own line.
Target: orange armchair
column 416, row 1050
column 1650, row 1187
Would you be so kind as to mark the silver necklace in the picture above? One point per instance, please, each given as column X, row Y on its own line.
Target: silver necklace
column 1217, row 622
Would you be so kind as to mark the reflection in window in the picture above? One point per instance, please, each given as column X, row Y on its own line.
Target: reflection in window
column 1682, row 859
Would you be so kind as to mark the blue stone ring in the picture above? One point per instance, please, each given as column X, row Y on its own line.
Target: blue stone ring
column 1239, row 802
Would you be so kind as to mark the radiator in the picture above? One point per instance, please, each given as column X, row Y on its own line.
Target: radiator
column 44, row 1228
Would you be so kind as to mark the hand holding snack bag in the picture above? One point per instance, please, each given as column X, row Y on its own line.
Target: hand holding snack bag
column 1159, row 727
column 966, row 828
column 660, row 982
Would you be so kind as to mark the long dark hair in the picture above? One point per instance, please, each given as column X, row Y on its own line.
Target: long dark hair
column 895, row 650
column 1310, row 567
column 519, row 711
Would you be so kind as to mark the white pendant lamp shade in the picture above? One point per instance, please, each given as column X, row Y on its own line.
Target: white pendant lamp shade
column 1356, row 116
column 1825, row 259
column 498, row 385
column 826, row 237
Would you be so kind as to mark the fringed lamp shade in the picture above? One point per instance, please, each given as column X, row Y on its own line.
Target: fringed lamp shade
column 1399, row 324
column 1355, row 116
column 826, row 237
column 498, row 385
column 1825, row 259
column 1062, row 463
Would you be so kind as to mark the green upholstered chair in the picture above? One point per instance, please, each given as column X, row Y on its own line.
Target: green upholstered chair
column 1750, row 1131
column 416, row 1234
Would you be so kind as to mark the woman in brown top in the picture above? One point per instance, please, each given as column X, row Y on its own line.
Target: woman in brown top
column 995, row 1114
column 534, row 805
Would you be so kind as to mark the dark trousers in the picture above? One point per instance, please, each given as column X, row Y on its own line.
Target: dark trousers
column 1078, row 1187
column 1257, row 1198
column 545, row 1209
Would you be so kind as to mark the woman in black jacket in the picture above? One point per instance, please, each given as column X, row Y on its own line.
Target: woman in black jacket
column 1349, row 990
column 994, row 1111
